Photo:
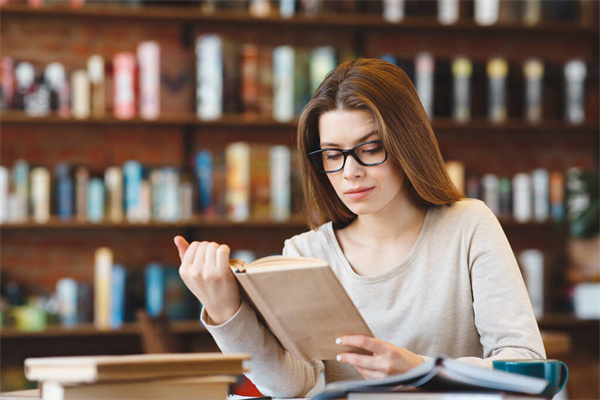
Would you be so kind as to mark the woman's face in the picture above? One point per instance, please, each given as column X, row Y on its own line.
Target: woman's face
column 364, row 190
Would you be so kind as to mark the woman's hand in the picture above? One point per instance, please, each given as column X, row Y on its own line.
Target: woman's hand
column 205, row 271
column 387, row 359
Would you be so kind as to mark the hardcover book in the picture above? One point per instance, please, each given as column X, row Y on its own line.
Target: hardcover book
column 302, row 303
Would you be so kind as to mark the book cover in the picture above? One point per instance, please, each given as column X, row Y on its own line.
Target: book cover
column 64, row 189
column 96, row 69
column 439, row 374
column 155, row 289
column 80, row 94
column 40, row 194
column 106, row 368
column 124, row 103
column 557, row 195
column 148, row 55
column 302, row 303
column 237, row 155
column 103, row 265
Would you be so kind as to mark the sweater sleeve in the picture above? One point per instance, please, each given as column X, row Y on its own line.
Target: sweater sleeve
column 503, row 313
column 273, row 370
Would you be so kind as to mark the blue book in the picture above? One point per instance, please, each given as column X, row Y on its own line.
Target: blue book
column 95, row 204
column 389, row 58
column 66, row 293
column 155, row 289
column 178, row 304
column 65, row 200
column 204, row 174
column 132, row 177
column 117, row 296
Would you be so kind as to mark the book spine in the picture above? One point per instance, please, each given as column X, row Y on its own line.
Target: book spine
column 260, row 8
column 204, row 176
column 96, row 73
column 486, row 11
column 40, row 194
column 490, row 195
column 85, row 303
column 541, row 197
column 250, row 79
column 82, row 177
column 238, row 180
column 149, row 61
column 534, row 75
column 575, row 73
column 117, row 296
column 283, row 83
column 95, row 200
column 393, row 10
column 65, row 200
column 25, row 75
column 3, row 194
column 424, row 80
column 260, row 187
column 505, row 194
column 186, row 203
column 557, row 195
column 265, row 80
column 80, row 94
column 155, row 289
column 66, row 294
column 7, row 79
column 55, row 78
column 170, row 211
column 209, row 77
column 448, row 11
column 20, row 181
column 462, row 70
column 132, row 176
column 102, row 286
column 124, row 83
column 532, row 13
column 281, row 186
column 522, row 197
column 145, row 207
column 532, row 264
column 113, row 178
column 177, row 301
column 287, row 8
column 497, row 71
column 302, row 91
column 322, row 61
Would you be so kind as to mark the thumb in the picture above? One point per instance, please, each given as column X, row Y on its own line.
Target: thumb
column 182, row 245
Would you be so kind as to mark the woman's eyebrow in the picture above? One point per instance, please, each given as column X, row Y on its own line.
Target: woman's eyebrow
column 359, row 140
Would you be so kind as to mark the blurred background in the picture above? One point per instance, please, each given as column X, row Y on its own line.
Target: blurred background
column 125, row 123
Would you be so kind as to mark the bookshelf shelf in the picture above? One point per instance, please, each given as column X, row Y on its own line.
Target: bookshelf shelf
column 353, row 21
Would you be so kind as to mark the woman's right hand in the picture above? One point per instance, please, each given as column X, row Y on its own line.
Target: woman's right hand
column 205, row 271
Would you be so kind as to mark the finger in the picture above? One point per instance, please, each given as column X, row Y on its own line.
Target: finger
column 373, row 345
column 188, row 258
column 223, row 257
column 211, row 256
column 200, row 254
column 182, row 246
column 360, row 361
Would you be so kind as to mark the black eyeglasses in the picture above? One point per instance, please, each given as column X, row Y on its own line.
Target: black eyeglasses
column 367, row 154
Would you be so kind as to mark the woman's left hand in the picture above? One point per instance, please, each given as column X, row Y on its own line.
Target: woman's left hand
column 387, row 359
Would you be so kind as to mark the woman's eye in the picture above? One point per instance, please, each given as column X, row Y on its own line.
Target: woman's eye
column 373, row 150
column 332, row 156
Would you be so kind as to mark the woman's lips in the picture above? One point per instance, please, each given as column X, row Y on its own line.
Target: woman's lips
column 357, row 194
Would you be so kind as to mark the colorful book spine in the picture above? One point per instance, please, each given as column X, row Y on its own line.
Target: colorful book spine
column 283, row 83
column 557, row 195
column 497, row 71
column 250, row 84
column 85, row 303
column 237, row 156
column 65, row 191
column 102, row 286
column 424, row 80
column 260, row 187
column 117, row 296
column 302, row 91
column 66, row 294
column 265, row 80
column 148, row 53
column 40, row 194
column 280, row 160
column 540, row 180
column 20, row 182
column 209, row 77
column 204, row 177
column 522, row 197
column 4, row 178
column 113, row 179
column 575, row 73
column 82, row 177
column 322, row 61
column 533, row 71
column 462, row 70
column 95, row 67
column 132, row 176
column 124, row 85
column 155, row 289
column 145, row 208
column 95, row 200
column 80, row 94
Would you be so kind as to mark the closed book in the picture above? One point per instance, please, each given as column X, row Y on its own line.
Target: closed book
column 280, row 164
column 424, row 395
column 80, row 94
column 90, row 369
column 85, row 303
column 178, row 300
column 124, row 102
column 65, row 191
column 265, row 80
column 170, row 199
column 96, row 69
column 276, row 285
column 186, row 199
column 40, row 194
column 103, row 264
column 155, row 289
column 113, row 179
column 237, row 156
column 205, row 388
column 148, row 54
column 283, row 83
column 209, row 77
column 96, row 200
column 497, row 72
column 117, row 296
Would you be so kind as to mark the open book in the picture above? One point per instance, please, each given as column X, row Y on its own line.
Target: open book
column 302, row 303
column 443, row 374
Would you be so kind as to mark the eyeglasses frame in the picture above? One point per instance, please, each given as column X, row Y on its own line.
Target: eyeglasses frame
column 346, row 153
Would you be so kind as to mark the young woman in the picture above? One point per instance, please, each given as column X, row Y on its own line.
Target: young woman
column 431, row 273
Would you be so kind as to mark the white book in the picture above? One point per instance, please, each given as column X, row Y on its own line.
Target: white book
column 103, row 263
column 322, row 62
column 40, row 194
column 80, row 94
column 209, row 77
column 113, row 180
column 522, row 197
column 280, row 164
column 575, row 73
column 95, row 68
column 237, row 160
column 3, row 194
column 393, row 10
column 447, row 11
column 490, row 185
column 424, row 80
column 148, row 54
column 486, row 11
column 540, row 179
column 287, row 8
column 283, row 83
column 532, row 264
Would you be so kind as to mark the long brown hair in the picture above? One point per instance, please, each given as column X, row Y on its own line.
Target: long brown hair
column 387, row 92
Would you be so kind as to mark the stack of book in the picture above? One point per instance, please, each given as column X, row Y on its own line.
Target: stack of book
column 145, row 376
